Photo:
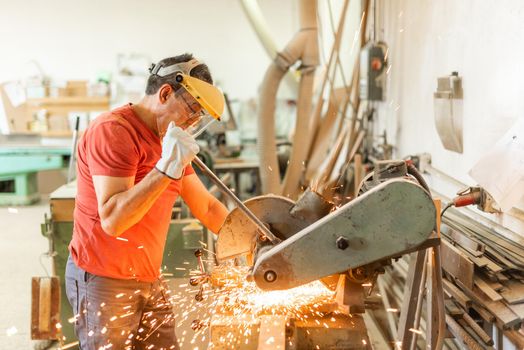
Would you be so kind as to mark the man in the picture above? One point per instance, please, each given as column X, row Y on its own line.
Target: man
column 133, row 162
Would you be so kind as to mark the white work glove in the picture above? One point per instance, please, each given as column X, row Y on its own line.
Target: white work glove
column 178, row 150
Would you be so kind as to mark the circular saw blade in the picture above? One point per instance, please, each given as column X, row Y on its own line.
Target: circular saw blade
column 238, row 235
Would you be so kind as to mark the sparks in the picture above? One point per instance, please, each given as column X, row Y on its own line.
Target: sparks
column 69, row 346
column 238, row 296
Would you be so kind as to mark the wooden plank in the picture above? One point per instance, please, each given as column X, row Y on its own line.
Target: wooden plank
column 467, row 242
column 477, row 329
column 513, row 292
column 482, row 261
column 469, row 330
column 512, row 247
column 457, row 264
column 496, row 286
column 505, row 317
column 483, row 313
column 452, row 309
column 45, row 308
column 44, row 303
column 518, row 309
column 457, row 294
column 478, row 261
column 517, row 338
column 486, row 289
column 502, row 278
column 465, row 339
column 500, row 258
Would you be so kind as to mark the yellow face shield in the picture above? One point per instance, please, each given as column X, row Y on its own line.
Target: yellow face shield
column 208, row 96
column 205, row 103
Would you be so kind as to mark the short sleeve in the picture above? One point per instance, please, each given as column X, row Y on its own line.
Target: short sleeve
column 189, row 170
column 111, row 150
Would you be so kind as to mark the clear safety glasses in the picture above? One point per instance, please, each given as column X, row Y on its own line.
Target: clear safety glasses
column 196, row 118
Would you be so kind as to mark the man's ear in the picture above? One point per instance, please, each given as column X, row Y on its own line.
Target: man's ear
column 163, row 93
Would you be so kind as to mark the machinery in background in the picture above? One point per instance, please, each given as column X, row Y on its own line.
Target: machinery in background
column 373, row 67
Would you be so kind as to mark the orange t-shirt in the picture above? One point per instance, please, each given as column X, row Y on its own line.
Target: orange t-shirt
column 120, row 144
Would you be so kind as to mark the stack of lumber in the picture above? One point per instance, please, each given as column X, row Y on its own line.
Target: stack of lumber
column 484, row 277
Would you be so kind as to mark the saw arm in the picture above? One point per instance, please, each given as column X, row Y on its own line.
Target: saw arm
column 394, row 217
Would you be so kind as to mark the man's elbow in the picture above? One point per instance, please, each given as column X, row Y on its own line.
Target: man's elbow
column 109, row 227
column 108, row 222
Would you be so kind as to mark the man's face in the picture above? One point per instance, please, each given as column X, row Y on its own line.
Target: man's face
column 193, row 110
column 181, row 108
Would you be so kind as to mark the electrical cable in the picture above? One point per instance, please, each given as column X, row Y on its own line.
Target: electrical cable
column 449, row 205
column 42, row 263
column 412, row 170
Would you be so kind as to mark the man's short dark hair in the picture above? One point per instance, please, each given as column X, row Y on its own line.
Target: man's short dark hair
column 154, row 82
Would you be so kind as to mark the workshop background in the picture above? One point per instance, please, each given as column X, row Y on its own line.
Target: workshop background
column 62, row 60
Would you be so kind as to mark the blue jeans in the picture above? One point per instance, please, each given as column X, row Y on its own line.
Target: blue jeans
column 119, row 314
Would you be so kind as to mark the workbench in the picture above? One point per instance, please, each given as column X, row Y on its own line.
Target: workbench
column 237, row 166
column 19, row 164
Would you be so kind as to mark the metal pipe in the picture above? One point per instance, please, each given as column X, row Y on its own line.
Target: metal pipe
column 222, row 187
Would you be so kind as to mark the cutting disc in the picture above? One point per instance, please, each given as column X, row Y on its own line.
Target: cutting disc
column 238, row 234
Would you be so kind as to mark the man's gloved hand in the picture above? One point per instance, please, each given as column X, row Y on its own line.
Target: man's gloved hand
column 178, row 150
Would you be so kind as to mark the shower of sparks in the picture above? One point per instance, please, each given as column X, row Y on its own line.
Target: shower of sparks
column 235, row 295
column 235, row 303
column 228, row 297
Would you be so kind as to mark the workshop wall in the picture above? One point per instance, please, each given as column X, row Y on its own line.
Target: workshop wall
column 78, row 39
column 430, row 39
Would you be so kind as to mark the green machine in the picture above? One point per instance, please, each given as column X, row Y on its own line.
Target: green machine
column 184, row 237
column 19, row 164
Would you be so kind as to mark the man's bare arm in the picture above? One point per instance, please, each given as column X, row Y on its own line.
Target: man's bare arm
column 203, row 205
column 121, row 204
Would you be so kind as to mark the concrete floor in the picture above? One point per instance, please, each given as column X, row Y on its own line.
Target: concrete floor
column 20, row 250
